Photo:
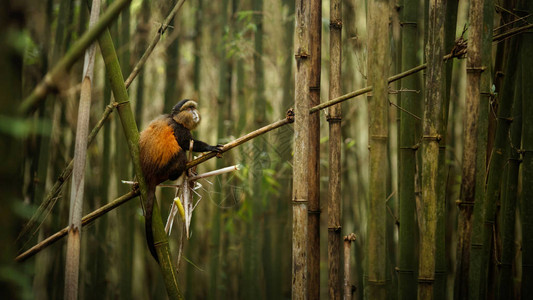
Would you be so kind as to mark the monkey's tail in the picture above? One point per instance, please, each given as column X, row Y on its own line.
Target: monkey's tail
column 148, row 221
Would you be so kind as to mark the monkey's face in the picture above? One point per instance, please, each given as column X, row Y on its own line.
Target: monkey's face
column 187, row 115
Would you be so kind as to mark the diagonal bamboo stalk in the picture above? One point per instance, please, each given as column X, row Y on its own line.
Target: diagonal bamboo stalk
column 51, row 79
column 86, row 220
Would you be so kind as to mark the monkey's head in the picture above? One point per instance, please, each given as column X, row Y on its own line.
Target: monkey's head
column 186, row 113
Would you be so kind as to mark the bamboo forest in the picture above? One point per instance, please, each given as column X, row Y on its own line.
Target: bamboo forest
column 266, row 149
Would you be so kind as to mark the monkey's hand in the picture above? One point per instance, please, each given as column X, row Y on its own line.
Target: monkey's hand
column 217, row 149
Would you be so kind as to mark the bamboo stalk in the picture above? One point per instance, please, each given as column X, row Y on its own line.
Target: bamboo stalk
column 52, row 79
column 408, row 136
column 526, row 8
column 430, row 148
column 315, row 45
column 498, row 159
column 377, row 65
column 334, row 186
column 468, row 182
column 348, row 287
column 72, row 263
column 475, row 290
column 509, row 197
column 132, row 135
column 301, row 152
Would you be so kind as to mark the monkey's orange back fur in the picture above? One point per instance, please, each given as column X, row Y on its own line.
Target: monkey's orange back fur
column 158, row 146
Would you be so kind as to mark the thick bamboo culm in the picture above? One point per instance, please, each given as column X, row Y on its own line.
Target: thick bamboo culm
column 430, row 148
column 377, row 65
column 468, row 183
column 315, row 45
column 334, row 118
column 301, row 152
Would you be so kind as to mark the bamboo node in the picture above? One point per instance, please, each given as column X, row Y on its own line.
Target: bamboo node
column 299, row 201
column 475, row 69
column 461, row 203
column 337, row 24
column 332, row 119
column 414, row 24
column 398, row 270
column 334, row 229
column 314, row 212
column 426, row 280
column 436, row 138
column 377, row 282
column 119, row 104
column 379, row 137
column 289, row 115
column 350, row 237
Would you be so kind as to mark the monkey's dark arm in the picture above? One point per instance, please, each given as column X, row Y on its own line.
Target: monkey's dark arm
column 200, row 146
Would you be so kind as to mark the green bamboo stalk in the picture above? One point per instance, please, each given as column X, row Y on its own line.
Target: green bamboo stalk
column 378, row 64
column 527, row 145
column 432, row 124
column 411, row 102
column 468, row 183
column 57, row 73
column 498, row 158
column 301, row 151
column 509, row 197
column 132, row 136
column 481, row 156
column 123, row 170
column 442, row 252
column 313, row 262
column 334, row 118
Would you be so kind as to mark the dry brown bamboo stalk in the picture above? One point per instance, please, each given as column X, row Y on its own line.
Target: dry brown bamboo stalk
column 348, row 287
column 334, row 117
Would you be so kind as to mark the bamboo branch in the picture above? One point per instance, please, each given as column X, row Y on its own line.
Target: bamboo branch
column 52, row 79
column 86, row 220
column 510, row 33
column 288, row 119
